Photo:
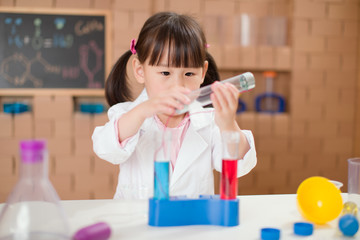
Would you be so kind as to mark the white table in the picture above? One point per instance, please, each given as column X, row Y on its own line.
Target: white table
column 128, row 219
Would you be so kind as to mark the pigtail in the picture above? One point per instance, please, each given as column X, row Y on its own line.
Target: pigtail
column 116, row 86
column 212, row 73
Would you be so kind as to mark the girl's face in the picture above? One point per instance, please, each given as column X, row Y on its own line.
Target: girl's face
column 162, row 77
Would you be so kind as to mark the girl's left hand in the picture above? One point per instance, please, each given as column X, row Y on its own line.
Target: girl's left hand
column 225, row 101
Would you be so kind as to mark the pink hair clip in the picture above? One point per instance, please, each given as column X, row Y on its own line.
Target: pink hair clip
column 132, row 46
column 207, row 45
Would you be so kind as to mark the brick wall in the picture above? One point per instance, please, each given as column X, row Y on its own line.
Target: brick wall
column 325, row 43
column 357, row 118
column 317, row 74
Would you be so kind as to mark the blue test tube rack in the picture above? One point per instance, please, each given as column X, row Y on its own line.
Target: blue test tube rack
column 206, row 210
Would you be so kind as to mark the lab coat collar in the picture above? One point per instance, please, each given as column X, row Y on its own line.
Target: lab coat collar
column 200, row 117
column 193, row 145
column 141, row 98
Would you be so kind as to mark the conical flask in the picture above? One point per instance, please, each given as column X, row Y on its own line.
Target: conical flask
column 32, row 210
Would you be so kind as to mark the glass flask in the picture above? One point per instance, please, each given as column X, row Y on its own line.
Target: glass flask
column 32, row 210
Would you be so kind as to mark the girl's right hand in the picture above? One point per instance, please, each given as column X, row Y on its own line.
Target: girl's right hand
column 166, row 102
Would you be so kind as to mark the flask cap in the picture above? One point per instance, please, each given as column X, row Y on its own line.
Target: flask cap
column 303, row 229
column 270, row 74
column 270, row 234
column 31, row 151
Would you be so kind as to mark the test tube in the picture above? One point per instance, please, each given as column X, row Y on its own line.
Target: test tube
column 228, row 181
column 162, row 164
column 348, row 222
column 269, row 81
column 201, row 96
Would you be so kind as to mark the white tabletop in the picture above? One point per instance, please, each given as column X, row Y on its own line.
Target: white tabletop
column 128, row 219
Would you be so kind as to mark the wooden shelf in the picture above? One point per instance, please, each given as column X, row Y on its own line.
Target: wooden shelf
column 52, row 92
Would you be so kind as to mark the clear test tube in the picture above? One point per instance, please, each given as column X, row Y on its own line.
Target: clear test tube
column 228, row 181
column 201, row 96
column 162, row 164
column 269, row 82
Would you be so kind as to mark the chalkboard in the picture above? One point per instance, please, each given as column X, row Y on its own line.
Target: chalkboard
column 52, row 50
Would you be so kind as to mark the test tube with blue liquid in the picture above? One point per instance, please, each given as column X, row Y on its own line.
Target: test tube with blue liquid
column 162, row 164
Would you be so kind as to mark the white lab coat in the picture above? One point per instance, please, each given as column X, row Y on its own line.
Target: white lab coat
column 200, row 153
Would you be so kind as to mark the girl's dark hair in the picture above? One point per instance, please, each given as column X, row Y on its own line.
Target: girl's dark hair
column 186, row 44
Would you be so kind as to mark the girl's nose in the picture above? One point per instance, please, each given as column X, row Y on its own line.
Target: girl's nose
column 180, row 81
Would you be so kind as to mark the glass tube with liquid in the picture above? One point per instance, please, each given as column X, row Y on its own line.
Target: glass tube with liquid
column 348, row 221
column 228, row 181
column 201, row 96
column 162, row 164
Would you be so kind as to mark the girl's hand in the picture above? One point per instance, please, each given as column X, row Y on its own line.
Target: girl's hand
column 225, row 101
column 166, row 102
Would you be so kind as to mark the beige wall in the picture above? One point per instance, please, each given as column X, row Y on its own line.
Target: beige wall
column 317, row 73
column 357, row 118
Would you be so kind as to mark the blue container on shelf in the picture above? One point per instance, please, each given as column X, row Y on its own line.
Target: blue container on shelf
column 241, row 107
column 274, row 98
column 92, row 108
column 270, row 102
column 15, row 108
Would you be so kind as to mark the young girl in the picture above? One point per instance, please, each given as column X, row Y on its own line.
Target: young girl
column 170, row 59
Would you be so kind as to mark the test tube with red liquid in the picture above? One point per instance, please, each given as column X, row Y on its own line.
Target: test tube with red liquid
column 228, row 181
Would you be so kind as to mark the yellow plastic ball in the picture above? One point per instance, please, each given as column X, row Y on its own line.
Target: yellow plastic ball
column 319, row 200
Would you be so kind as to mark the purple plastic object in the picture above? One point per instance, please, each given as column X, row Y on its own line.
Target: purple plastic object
column 32, row 145
column 97, row 231
column 32, row 151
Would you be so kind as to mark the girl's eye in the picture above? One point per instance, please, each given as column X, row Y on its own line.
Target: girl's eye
column 165, row 73
column 189, row 74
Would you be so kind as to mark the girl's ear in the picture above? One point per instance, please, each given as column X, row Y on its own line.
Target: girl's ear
column 138, row 70
column 205, row 68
